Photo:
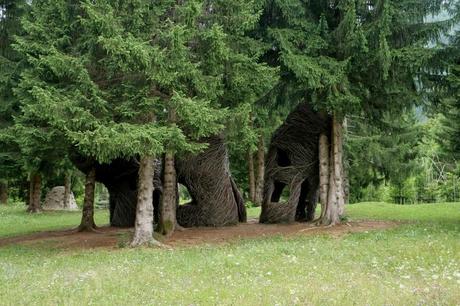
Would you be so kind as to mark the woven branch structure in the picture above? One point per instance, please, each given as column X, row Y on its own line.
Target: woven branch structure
column 216, row 200
column 292, row 168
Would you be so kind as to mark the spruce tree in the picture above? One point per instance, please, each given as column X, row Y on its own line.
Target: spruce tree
column 107, row 76
column 10, row 165
column 348, row 57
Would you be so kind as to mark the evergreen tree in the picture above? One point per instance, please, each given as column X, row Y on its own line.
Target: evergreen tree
column 107, row 77
column 450, row 135
column 10, row 14
column 384, row 153
column 348, row 57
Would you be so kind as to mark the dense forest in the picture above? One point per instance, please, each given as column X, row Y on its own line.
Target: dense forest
column 87, row 86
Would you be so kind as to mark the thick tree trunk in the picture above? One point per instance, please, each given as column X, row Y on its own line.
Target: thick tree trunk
column 335, row 202
column 87, row 217
column 252, row 179
column 143, row 230
column 260, row 171
column 168, row 207
column 35, row 193
column 67, row 190
column 3, row 192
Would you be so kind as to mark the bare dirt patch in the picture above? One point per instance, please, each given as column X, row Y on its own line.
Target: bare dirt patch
column 111, row 237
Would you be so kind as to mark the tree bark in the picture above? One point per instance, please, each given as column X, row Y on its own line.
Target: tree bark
column 143, row 230
column 335, row 203
column 252, row 179
column 30, row 194
column 338, row 164
column 3, row 192
column 87, row 217
column 35, row 193
column 67, row 189
column 346, row 179
column 260, row 171
column 346, row 186
column 323, row 172
column 168, row 219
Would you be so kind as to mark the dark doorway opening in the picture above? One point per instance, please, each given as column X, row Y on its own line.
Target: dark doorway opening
column 282, row 158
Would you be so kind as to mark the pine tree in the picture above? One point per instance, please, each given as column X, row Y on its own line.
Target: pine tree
column 10, row 14
column 348, row 57
column 383, row 153
column 102, row 75
column 450, row 135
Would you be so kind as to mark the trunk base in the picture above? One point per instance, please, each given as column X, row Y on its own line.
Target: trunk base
column 87, row 228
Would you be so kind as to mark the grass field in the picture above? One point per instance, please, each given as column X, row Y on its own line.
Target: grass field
column 417, row 263
column 14, row 220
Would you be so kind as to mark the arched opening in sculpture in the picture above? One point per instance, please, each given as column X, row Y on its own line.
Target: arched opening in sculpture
column 184, row 194
column 278, row 189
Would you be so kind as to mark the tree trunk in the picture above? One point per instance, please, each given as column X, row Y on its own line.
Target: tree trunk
column 87, row 217
column 334, row 208
column 24, row 191
column 323, row 172
column 338, row 165
column 260, row 171
column 35, row 193
column 3, row 192
column 346, row 186
column 143, row 231
column 168, row 220
column 252, row 179
column 30, row 195
column 346, row 179
column 67, row 190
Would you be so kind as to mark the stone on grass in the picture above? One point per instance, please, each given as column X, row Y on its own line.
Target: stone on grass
column 55, row 200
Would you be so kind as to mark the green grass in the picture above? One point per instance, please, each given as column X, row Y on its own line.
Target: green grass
column 253, row 212
column 439, row 212
column 417, row 263
column 15, row 221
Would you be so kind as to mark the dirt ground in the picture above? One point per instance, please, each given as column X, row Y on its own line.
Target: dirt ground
column 111, row 237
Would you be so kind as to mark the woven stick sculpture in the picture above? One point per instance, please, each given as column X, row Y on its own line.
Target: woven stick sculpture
column 216, row 200
column 292, row 169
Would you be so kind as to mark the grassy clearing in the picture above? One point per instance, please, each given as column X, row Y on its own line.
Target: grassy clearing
column 439, row 212
column 15, row 221
column 416, row 263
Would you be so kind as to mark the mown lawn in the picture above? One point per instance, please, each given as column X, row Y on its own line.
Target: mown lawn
column 15, row 221
column 417, row 263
